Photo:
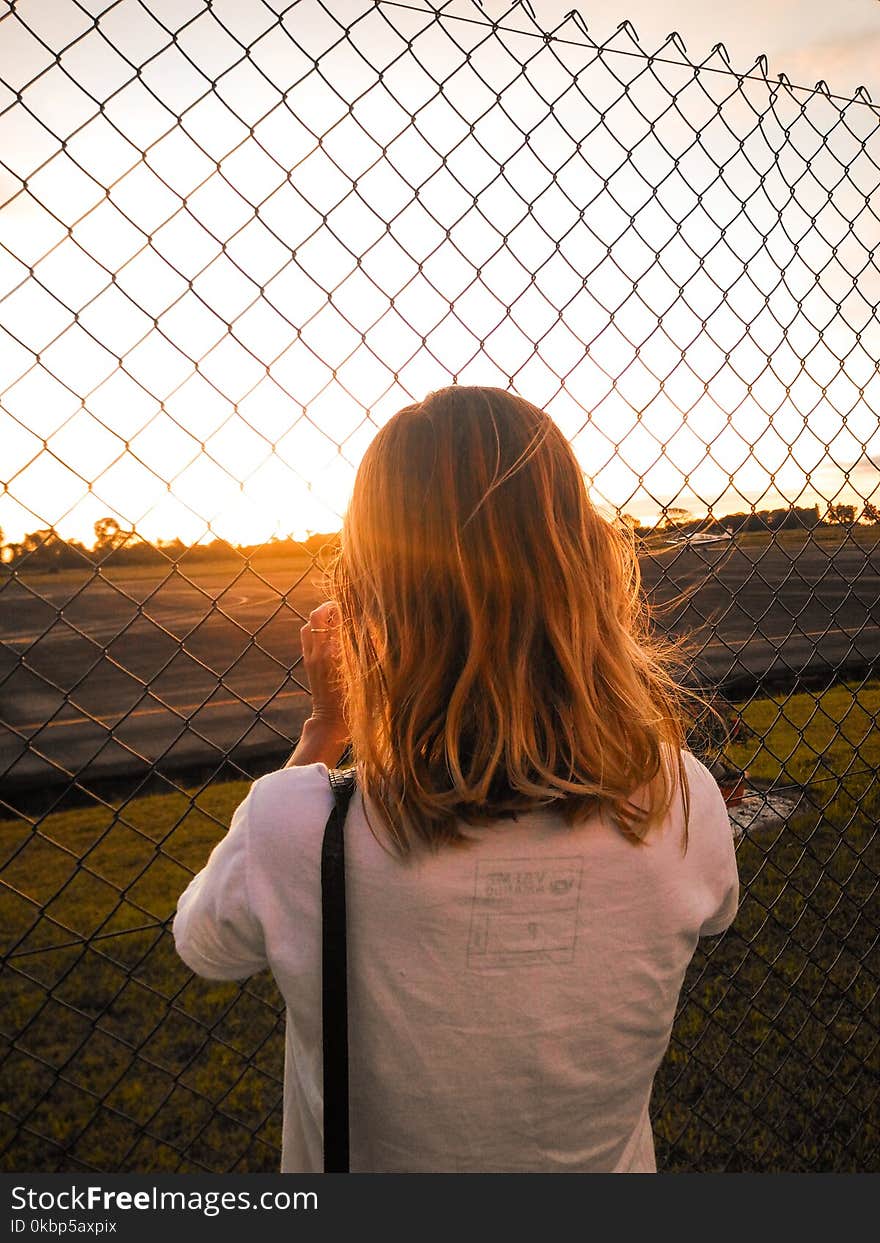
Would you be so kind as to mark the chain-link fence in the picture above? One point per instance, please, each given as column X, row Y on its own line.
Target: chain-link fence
column 234, row 239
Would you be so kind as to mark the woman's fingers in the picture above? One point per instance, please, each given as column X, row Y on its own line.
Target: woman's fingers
column 320, row 655
column 323, row 620
column 326, row 615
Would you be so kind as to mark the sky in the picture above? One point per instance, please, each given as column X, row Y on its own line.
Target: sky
column 205, row 313
column 805, row 39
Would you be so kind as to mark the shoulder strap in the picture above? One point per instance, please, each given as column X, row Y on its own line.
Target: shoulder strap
column 334, row 983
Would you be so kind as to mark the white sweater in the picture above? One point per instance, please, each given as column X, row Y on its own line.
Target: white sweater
column 509, row 1004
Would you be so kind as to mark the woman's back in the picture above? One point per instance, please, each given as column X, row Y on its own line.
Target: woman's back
column 528, row 888
column 509, row 1002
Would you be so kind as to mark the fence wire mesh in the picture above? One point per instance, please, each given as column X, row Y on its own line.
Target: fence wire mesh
column 234, row 238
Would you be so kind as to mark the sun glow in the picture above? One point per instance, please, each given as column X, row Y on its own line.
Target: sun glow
column 207, row 312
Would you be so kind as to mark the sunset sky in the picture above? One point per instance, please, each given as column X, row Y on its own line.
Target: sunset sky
column 205, row 314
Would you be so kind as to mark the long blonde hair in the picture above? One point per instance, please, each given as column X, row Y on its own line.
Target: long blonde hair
column 496, row 650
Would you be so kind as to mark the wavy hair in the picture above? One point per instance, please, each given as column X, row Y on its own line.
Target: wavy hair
column 496, row 652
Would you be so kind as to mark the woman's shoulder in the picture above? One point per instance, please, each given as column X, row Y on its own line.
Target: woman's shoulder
column 294, row 801
column 701, row 783
column 708, row 821
column 700, row 786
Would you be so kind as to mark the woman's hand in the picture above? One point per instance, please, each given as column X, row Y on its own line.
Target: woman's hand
column 325, row 734
column 320, row 649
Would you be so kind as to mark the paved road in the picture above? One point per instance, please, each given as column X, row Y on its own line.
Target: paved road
column 770, row 610
column 108, row 677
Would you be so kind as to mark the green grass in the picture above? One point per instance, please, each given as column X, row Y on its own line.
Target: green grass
column 115, row 1054
column 116, row 1058
column 770, row 1066
column 803, row 739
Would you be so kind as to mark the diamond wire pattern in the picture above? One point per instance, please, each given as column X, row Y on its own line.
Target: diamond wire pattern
column 234, row 240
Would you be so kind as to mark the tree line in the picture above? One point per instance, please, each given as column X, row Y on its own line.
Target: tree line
column 45, row 550
column 791, row 518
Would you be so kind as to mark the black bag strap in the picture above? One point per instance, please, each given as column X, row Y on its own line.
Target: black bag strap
column 334, row 984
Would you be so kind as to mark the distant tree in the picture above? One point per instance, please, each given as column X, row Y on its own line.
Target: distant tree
column 676, row 517
column 870, row 513
column 173, row 548
column 804, row 517
column 628, row 521
column 108, row 534
column 46, row 550
column 841, row 515
column 42, row 541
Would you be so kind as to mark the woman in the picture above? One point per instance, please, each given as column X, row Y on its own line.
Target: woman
column 530, row 853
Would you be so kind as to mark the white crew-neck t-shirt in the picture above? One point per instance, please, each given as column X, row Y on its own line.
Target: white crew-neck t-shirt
column 509, row 1003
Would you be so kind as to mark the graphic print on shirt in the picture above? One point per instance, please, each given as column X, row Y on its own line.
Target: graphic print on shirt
column 524, row 912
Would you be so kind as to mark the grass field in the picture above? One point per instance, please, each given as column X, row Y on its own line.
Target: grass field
column 771, row 1065
column 117, row 1059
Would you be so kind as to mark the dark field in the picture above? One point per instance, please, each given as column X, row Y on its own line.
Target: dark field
column 110, row 674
